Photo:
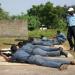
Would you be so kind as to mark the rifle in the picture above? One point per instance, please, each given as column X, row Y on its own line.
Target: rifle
column 7, row 43
column 6, row 52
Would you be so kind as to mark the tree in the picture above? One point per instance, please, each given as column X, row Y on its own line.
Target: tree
column 3, row 14
column 33, row 22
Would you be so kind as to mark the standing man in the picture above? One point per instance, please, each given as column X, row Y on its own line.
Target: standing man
column 71, row 28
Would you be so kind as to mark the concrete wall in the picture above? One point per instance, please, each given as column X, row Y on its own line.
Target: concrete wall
column 17, row 28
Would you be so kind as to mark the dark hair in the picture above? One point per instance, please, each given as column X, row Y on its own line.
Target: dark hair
column 30, row 39
column 13, row 48
column 41, row 36
column 25, row 41
column 58, row 31
column 20, row 44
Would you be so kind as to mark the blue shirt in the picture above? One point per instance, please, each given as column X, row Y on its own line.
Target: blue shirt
column 28, row 48
column 61, row 35
column 20, row 55
column 71, row 20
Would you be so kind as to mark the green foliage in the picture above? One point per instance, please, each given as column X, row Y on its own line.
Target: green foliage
column 33, row 22
column 48, row 33
column 61, row 24
column 50, row 16
column 43, row 14
column 3, row 14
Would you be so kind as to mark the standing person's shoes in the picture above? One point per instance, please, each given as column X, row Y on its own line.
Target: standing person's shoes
column 74, row 49
column 71, row 48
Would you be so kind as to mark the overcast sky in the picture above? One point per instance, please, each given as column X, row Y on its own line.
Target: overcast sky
column 15, row 7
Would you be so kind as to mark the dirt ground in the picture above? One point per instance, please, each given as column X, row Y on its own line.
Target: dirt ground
column 26, row 69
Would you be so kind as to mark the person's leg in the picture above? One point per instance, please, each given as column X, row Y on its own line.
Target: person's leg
column 50, row 51
column 74, row 44
column 63, row 61
column 73, row 29
column 54, row 53
column 39, row 60
column 57, row 53
column 48, row 48
column 38, row 51
column 46, row 43
column 37, row 42
column 69, row 37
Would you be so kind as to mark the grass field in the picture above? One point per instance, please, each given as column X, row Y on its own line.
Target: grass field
column 48, row 33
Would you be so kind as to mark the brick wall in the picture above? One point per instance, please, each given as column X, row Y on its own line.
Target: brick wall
column 16, row 28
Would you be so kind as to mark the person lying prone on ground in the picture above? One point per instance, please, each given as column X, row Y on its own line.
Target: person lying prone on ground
column 59, row 39
column 38, row 50
column 42, row 50
column 24, row 57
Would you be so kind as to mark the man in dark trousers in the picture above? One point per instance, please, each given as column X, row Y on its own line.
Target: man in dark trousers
column 71, row 28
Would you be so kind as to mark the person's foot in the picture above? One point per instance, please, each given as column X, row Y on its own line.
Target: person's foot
column 63, row 53
column 72, row 63
column 63, row 67
column 60, row 48
column 74, row 49
column 0, row 52
column 71, row 48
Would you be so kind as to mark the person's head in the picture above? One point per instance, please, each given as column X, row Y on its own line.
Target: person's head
column 71, row 11
column 13, row 48
column 25, row 42
column 20, row 44
column 41, row 36
column 30, row 39
column 58, row 31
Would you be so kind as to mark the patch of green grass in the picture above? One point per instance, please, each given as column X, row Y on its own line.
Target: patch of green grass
column 37, row 33
column 47, row 33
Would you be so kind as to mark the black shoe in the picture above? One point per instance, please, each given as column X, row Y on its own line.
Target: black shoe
column 60, row 48
column 71, row 48
column 0, row 52
column 64, row 53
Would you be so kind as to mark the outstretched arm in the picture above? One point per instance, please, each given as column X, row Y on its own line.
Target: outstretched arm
column 6, row 58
